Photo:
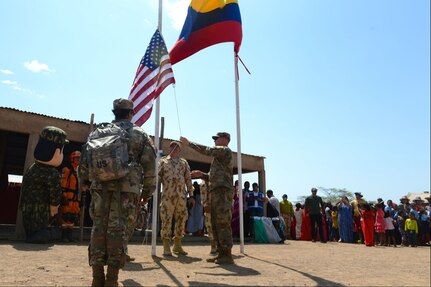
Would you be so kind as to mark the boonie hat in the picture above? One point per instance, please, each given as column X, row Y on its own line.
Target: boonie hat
column 177, row 143
column 359, row 194
column 221, row 135
column 122, row 104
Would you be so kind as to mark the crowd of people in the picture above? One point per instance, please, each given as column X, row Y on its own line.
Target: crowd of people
column 347, row 221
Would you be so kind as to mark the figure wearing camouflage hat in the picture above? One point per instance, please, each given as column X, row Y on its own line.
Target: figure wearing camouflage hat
column 220, row 180
column 115, row 202
column 41, row 189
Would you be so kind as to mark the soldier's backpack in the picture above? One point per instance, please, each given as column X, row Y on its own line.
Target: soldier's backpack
column 107, row 152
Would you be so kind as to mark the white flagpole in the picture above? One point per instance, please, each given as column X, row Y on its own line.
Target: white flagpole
column 156, row 143
column 239, row 161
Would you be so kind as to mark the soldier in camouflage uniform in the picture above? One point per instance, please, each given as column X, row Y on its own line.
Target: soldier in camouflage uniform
column 41, row 189
column 114, row 202
column 220, row 178
column 174, row 174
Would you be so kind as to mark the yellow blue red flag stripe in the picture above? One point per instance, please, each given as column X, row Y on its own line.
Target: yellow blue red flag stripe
column 208, row 22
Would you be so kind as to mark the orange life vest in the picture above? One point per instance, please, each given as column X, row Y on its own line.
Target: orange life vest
column 70, row 196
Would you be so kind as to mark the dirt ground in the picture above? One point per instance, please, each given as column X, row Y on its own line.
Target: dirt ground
column 294, row 263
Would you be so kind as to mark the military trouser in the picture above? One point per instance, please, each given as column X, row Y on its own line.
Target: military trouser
column 208, row 225
column 108, row 232
column 172, row 206
column 221, row 216
column 130, row 205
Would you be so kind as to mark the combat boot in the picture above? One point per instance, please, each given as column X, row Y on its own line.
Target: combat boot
column 112, row 277
column 213, row 247
column 167, row 247
column 130, row 258
column 98, row 276
column 213, row 259
column 178, row 249
column 225, row 258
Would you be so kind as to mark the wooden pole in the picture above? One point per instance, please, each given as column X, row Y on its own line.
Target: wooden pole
column 83, row 195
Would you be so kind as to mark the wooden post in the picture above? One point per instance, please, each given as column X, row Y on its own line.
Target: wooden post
column 83, row 196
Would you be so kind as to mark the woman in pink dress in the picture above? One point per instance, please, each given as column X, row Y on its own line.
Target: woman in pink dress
column 379, row 225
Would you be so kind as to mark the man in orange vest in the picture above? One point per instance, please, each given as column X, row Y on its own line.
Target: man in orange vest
column 70, row 198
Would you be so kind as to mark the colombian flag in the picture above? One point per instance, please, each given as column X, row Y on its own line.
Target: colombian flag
column 208, row 22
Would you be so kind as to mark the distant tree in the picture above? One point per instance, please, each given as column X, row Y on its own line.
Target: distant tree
column 332, row 194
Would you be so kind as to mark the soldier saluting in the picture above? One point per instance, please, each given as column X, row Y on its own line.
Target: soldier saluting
column 220, row 179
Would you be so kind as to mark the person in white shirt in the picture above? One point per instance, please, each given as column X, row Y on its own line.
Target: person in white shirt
column 298, row 218
column 389, row 229
column 273, row 200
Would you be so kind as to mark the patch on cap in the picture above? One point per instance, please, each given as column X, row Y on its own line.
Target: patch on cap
column 54, row 134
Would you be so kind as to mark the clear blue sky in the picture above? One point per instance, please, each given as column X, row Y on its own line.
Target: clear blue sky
column 339, row 94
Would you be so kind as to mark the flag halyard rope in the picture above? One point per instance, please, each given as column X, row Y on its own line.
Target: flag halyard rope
column 178, row 114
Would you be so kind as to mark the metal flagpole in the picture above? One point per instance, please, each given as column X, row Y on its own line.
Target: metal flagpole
column 239, row 161
column 156, row 143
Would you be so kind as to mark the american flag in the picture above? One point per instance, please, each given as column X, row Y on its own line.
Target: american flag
column 154, row 74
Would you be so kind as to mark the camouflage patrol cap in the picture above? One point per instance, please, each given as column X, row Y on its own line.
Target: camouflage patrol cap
column 122, row 104
column 177, row 143
column 54, row 134
column 221, row 135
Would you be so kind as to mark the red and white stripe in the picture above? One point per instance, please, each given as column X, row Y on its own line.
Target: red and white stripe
column 147, row 86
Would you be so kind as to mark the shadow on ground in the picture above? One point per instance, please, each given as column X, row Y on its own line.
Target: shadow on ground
column 319, row 281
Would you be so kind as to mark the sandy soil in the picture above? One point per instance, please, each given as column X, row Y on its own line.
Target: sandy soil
column 295, row 263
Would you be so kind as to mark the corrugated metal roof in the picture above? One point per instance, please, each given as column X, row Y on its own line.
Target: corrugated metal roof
column 32, row 113
column 81, row 122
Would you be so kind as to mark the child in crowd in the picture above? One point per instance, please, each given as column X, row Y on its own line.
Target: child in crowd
column 411, row 227
column 334, row 236
column 379, row 224
column 367, row 221
column 298, row 218
column 328, row 219
column 389, row 229
column 401, row 222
